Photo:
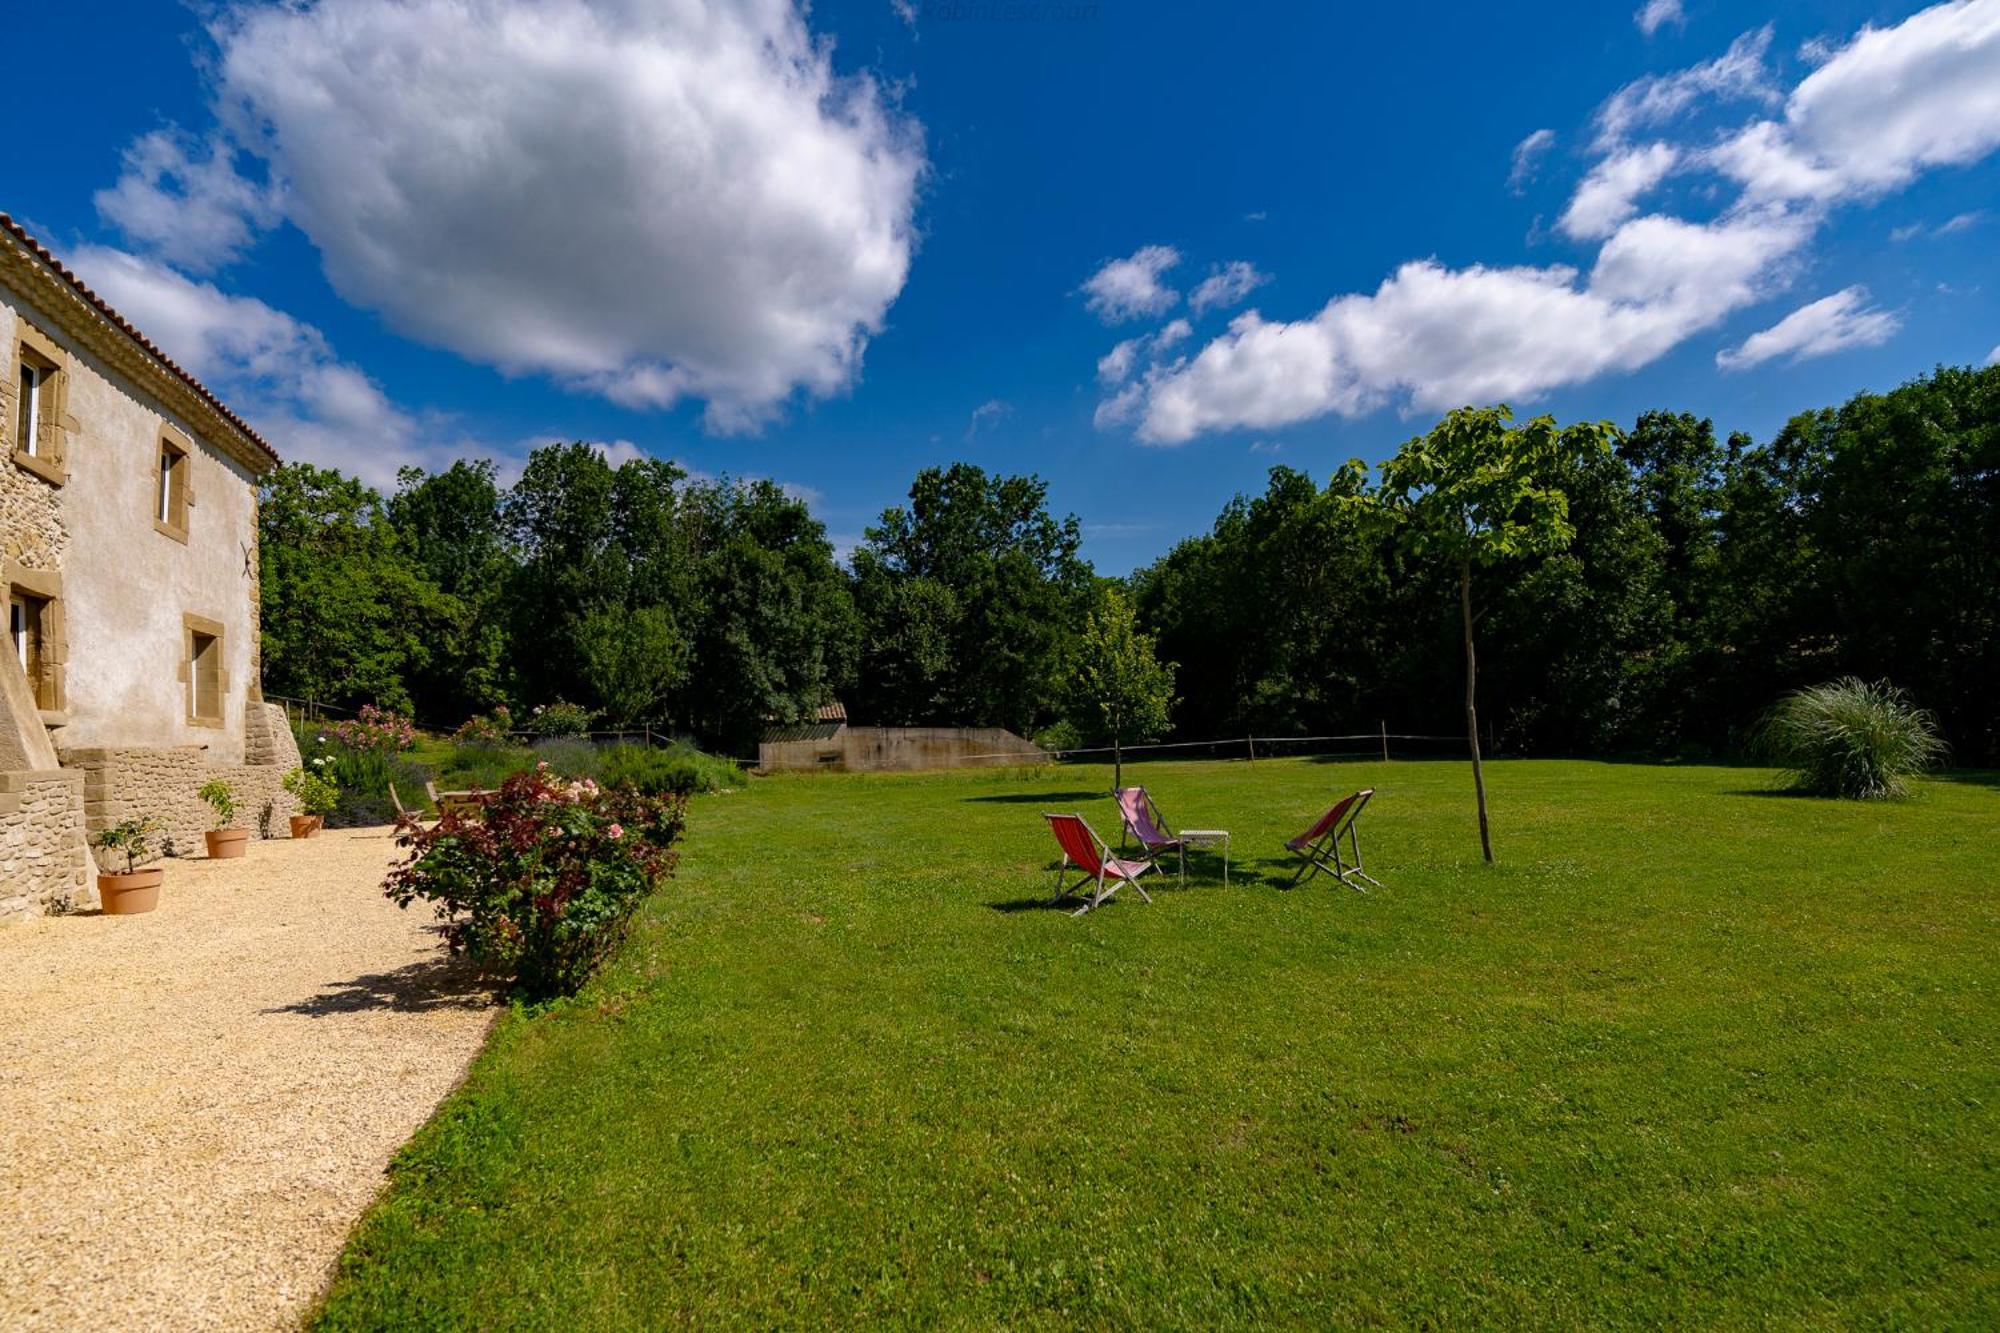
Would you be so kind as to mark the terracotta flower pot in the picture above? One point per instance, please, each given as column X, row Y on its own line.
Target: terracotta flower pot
column 227, row 842
column 304, row 826
column 128, row 895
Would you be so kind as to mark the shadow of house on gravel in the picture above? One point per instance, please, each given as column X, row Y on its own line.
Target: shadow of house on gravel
column 433, row 983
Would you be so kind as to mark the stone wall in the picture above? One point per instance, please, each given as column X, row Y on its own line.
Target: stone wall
column 41, row 844
column 894, row 749
column 124, row 782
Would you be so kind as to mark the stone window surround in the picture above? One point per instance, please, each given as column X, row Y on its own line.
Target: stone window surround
column 171, row 439
column 55, row 639
column 192, row 625
column 50, row 458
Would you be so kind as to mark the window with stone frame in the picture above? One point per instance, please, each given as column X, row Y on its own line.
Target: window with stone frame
column 30, row 631
column 202, row 671
column 35, row 425
column 172, row 486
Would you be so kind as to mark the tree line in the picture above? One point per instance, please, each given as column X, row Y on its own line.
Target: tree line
column 1690, row 580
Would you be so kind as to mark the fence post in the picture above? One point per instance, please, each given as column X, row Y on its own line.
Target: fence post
column 1385, row 740
column 1251, row 742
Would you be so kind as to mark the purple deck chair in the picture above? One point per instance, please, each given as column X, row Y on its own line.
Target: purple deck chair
column 1097, row 866
column 1319, row 846
column 1145, row 823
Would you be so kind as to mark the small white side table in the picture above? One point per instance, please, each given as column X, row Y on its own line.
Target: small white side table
column 1210, row 837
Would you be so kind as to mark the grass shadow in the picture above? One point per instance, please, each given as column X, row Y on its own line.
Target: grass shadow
column 1039, row 903
column 430, row 984
column 1970, row 777
column 1038, row 798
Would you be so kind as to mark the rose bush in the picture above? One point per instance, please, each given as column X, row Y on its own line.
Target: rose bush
column 540, row 883
column 377, row 731
column 494, row 728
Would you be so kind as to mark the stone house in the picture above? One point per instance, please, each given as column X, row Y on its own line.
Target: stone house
column 128, row 553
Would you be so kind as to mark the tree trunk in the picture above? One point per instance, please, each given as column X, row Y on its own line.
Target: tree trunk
column 1117, row 749
column 1472, row 707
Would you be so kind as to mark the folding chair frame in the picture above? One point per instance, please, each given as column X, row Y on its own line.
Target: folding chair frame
column 1323, row 854
column 1106, row 881
column 1151, row 855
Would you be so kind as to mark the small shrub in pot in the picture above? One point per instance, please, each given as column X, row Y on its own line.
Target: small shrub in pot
column 135, row 889
column 317, row 799
column 225, row 839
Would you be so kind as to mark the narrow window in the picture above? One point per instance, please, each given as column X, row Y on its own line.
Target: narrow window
column 26, row 617
column 204, row 676
column 29, row 423
column 168, row 460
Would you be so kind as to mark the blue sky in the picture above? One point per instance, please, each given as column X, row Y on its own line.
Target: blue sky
column 834, row 247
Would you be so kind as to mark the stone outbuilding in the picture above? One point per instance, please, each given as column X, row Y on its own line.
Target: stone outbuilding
column 128, row 551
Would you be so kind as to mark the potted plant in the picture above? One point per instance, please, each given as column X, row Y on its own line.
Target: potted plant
column 316, row 797
column 135, row 890
column 224, row 840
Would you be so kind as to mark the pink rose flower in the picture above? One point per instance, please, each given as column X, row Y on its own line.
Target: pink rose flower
column 616, row 830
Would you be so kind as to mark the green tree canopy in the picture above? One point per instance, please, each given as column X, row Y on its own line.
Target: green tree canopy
column 976, row 644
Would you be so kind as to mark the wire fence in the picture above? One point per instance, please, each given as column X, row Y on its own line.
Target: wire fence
column 1381, row 743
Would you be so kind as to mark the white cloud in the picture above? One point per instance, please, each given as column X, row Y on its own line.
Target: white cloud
column 1130, row 288
column 1738, row 74
column 1225, row 286
column 1993, row 357
column 1431, row 337
column 185, row 201
column 1115, row 366
column 1609, row 195
column 279, row 373
column 1949, row 227
column 1656, row 14
column 643, row 201
column 1528, row 156
column 1889, row 104
column 620, row 452
column 1830, row 324
column 992, row 410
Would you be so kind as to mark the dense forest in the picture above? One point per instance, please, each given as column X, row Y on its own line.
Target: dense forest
column 1701, row 578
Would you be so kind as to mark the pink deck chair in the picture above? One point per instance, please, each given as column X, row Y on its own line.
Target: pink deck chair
column 1095, row 863
column 1319, row 846
column 1145, row 824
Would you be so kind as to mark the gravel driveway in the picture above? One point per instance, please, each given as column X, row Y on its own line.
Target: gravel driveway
column 196, row 1104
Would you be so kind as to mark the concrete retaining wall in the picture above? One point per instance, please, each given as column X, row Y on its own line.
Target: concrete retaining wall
column 900, row 749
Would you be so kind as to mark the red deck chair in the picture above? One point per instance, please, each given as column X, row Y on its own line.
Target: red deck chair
column 1319, row 846
column 1144, row 822
column 1097, row 866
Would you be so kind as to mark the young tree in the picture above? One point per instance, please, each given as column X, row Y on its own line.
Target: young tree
column 1470, row 493
column 1112, row 681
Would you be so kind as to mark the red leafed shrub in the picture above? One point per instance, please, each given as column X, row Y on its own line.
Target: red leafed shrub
column 541, row 881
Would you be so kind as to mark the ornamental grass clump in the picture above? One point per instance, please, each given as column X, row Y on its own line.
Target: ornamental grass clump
column 1852, row 739
column 540, row 882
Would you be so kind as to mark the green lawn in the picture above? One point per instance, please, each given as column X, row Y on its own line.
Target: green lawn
column 1690, row 1053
